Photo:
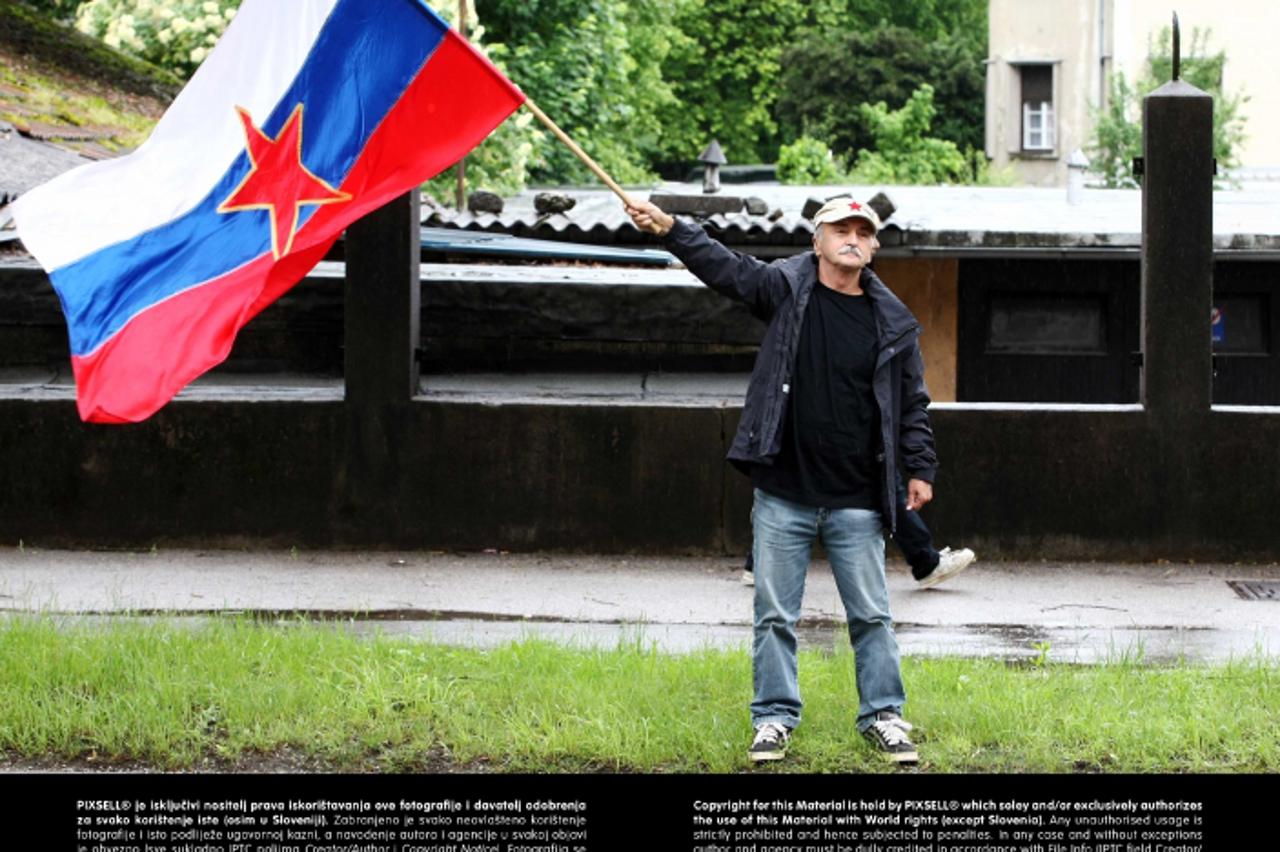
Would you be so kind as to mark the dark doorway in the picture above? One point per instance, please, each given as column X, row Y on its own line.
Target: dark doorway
column 1048, row 330
column 1246, row 363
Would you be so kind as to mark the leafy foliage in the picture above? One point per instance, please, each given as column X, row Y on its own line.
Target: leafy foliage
column 58, row 9
column 595, row 68
column 724, row 73
column 827, row 73
column 930, row 19
column 174, row 34
column 904, row 152
column 644, row 85
column 1117, row 132
column 808, row 161
column 1117, row 137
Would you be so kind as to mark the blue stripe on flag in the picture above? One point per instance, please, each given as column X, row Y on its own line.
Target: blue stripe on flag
column 364, row 57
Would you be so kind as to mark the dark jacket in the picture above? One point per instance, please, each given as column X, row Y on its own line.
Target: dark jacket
column 778, row 293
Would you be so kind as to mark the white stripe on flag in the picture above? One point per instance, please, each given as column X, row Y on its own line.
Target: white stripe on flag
column 103, row 203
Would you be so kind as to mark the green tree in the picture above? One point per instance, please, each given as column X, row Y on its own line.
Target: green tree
column 724, row 73
column 595, row 67
column 929, row 19
column 1117, row 132
column 904, row 152
column 828, row 72
column 1116, row 137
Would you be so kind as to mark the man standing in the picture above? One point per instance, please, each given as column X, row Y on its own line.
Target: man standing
column 836, row 399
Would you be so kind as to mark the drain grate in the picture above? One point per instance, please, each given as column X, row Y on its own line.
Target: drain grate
column 1256, row 590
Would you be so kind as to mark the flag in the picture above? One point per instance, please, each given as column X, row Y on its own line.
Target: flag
column 307, row 115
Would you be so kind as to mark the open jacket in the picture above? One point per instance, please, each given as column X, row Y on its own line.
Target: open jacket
column 778, row 293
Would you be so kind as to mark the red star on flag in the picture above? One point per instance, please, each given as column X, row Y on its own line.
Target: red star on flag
column 278, row 181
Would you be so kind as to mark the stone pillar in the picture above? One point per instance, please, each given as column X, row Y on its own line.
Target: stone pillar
column 1177, row 293
column 1177, row 253
column 382, row 299
column 381, row 332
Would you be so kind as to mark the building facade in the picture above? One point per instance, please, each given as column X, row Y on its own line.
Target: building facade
column 1051, row 61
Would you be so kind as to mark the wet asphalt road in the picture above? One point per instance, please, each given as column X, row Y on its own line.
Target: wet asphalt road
column 1079, row 612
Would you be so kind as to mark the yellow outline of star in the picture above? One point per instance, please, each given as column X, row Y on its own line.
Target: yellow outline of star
column 224, row 207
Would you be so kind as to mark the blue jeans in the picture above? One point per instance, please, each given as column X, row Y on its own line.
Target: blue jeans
column 784, row 533
column 912, row 537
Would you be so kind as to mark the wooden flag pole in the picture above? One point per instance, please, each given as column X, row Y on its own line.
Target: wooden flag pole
column 578, row 152
column 460, row 191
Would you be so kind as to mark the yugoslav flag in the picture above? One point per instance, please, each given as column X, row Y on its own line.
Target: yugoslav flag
column 306, row 116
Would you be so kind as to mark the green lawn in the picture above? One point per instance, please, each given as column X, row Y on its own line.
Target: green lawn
column 174, row 695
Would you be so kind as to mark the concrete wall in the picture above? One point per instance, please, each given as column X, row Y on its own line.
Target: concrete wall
column 1101, row 483
column 378, row 466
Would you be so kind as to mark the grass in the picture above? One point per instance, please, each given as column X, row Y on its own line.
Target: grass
column 173, row 696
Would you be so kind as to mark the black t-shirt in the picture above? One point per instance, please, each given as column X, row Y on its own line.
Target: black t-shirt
column 829, row 435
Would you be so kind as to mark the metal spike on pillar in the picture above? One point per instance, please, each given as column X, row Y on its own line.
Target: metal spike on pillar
column 1177, row 296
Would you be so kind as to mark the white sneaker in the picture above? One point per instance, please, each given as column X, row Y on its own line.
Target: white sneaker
column 950, row 563
column 889, row 735
column 770, row 742
column 748, row 578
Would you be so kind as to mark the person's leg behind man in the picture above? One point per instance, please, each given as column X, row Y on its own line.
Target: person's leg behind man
column 914, row 539
column 783, row 534
column 929, row 566
column 854, row 542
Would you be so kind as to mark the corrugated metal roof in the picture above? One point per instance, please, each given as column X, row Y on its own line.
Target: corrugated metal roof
column 932, row 217
column 27, row 163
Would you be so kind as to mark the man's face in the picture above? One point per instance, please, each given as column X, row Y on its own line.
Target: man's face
column 848, row 244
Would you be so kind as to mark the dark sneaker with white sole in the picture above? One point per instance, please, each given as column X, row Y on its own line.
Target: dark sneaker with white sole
column 770, row 742
column 888, row 734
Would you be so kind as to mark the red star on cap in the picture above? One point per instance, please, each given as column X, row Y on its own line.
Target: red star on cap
column 278, row 181
column 853, row 205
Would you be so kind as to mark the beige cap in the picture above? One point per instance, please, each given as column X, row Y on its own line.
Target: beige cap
column 845, row 207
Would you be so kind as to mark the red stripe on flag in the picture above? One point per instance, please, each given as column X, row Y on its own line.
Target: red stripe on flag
column 449, row 107
column 162, row 349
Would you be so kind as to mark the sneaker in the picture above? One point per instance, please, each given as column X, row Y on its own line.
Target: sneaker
column 950, row 563
column 748, row 577
column 888, row 734
column 770, row 742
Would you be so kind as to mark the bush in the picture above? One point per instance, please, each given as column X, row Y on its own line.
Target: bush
column 826, row 74
column 174, row 34
column 1117, row 131
column 808, row 161
column 595, row 67
column 904, row 152
column 56, row 9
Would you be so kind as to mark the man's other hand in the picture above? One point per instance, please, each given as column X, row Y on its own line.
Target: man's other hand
column 919, row 492
column 649, row 218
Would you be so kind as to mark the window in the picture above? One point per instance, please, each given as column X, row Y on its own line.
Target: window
column 1039, row 129
column 1047, row 324
column 1240, row 324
